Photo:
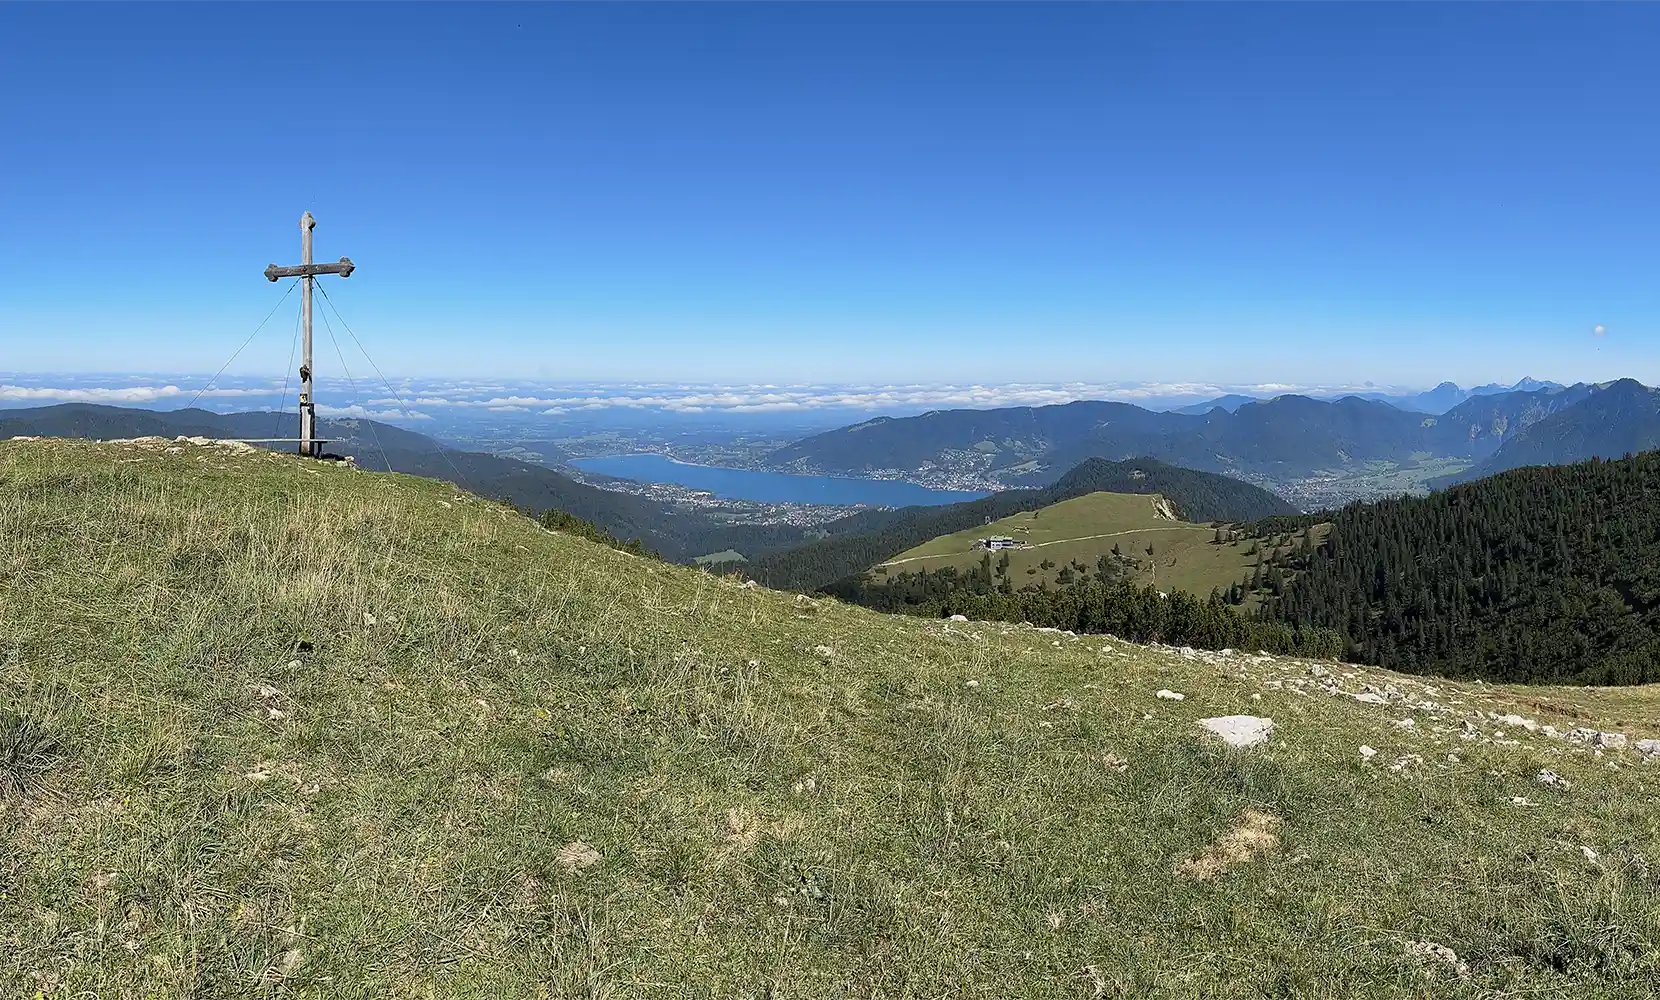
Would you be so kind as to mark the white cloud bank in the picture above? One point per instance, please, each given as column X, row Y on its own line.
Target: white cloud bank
column 114, row 396
column 808, row 398
column 324, row 410
column 426, row 397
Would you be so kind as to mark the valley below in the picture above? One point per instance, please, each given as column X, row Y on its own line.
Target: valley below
column 1323, row 491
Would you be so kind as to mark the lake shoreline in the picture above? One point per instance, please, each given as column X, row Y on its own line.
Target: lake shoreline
column 766, row 486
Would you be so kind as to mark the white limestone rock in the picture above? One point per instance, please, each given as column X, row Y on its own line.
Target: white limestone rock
column 1550, row 779
column 1598, row 739
column 1239, row 730
column 1439, row 953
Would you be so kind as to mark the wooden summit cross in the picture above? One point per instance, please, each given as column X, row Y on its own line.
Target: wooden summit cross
column 307, row 273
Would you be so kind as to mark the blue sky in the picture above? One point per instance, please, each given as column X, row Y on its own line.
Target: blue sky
column 1101, row 193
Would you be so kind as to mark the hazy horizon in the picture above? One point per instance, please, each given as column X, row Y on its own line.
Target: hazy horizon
column 409, row 398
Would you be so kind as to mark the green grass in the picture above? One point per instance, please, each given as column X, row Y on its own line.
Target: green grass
column 1185, row 556
column 284, row 729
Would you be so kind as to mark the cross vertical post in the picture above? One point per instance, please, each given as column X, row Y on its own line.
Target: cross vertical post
column 307, row 272
column 308, row 409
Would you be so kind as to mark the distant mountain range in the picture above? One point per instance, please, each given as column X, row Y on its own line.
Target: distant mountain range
column 1282, row 439
column 1231, row 402
column 1621, row 418
column 1437, row 400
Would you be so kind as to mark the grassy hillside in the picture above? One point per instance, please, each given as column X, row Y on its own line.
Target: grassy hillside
column 1082, row 530
column 863, row 540
column 675, row 533
column 283, row 729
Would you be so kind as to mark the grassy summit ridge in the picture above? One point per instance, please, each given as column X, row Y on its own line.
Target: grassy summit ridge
column 862, row 540
column 283, row 728
column 1082, row 530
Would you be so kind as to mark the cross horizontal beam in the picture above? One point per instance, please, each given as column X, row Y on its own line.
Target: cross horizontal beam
column 344, row 269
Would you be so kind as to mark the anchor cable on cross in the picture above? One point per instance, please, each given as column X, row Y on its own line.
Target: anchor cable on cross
column 307, row 272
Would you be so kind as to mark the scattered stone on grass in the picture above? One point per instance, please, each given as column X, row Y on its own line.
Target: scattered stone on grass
column 1551, row 779
column 1168, row 695
column 1597, row 739
column 1240, row 730
column 1439, row 953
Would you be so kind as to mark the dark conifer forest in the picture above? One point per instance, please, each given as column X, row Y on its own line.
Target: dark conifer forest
column 1098, row 605
column 1546, row 574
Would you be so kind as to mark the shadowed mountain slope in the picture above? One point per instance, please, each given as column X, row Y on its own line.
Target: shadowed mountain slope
column 1282, row 439
column 1609, row 421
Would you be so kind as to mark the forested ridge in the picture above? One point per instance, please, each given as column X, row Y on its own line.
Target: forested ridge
column 1107, row 602
column 859, row 542
column 1541, row 574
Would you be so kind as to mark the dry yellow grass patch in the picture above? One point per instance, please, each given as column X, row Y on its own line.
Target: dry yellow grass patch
column 576, row 856
column 743, row 829
column 1254, row 834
